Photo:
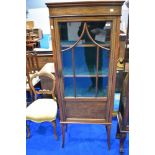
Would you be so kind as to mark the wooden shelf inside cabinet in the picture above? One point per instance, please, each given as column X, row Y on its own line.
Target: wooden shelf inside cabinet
column 85, row 42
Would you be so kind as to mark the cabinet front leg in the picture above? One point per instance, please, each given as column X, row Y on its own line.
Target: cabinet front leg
column 63, row 134
column 108, row 129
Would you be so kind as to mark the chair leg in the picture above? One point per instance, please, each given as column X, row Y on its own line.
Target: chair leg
column 28, row 131
column 54, row 128
column 108, row 129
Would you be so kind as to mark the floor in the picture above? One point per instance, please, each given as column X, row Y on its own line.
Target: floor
column 80, row 140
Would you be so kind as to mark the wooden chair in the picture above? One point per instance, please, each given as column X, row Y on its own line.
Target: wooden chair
column 32, row 66
column 44, row 109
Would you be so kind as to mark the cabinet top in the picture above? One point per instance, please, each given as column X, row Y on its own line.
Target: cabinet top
column 59, row 3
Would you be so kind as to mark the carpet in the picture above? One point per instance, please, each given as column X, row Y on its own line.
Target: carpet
column 80, row 139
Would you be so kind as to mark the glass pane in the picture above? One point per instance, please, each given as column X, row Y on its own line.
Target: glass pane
column 102, row 86
column 85, row 87
column 67, row 63
column 68, row 87
column 70, row 33
column 85, row 60
column 85, row 49
column 98, row 30
column 103, row 65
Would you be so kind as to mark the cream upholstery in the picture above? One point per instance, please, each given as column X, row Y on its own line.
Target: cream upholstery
column 49, row 67
column 34, row 81
column 42, row 110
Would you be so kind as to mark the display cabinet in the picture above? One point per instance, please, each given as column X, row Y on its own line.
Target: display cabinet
column 85, row 39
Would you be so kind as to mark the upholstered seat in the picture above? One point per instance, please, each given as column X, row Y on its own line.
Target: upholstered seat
column 42, row 110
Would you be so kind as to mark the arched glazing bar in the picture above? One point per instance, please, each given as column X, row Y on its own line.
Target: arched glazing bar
column 85, row 29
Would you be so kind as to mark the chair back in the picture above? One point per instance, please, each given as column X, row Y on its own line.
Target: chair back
column 32, row 64
column 42, row 75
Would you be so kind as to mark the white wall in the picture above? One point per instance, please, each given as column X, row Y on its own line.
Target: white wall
column 40, row 16
column 41, row 19
column 124, row 18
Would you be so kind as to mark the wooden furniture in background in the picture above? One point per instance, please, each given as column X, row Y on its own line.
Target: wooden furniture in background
column 30, row 24
column 123, row 113
column 33, row 37
column 43, row 57
column 79, row 102
column 34, row 32
column 44, row 109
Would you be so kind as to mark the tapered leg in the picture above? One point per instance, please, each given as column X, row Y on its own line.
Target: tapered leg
column 122, row 139
column 108, row 128
column 28, row 131
column 63, row 134
column 54, row 128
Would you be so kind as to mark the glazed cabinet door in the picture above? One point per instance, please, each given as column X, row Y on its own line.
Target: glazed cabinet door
column 84, row 52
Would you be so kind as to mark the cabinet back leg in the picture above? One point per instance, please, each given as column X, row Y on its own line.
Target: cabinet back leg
column 108, row 129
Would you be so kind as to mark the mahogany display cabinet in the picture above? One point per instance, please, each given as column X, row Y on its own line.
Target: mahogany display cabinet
column 85, row 40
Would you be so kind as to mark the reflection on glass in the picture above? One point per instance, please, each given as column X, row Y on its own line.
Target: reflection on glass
column 96, row 30
column 67, row 63
column 68, row 87
column 102, row 86
column 85, row 64
column 103, row 66
column 71, row 31
column 84, row 87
